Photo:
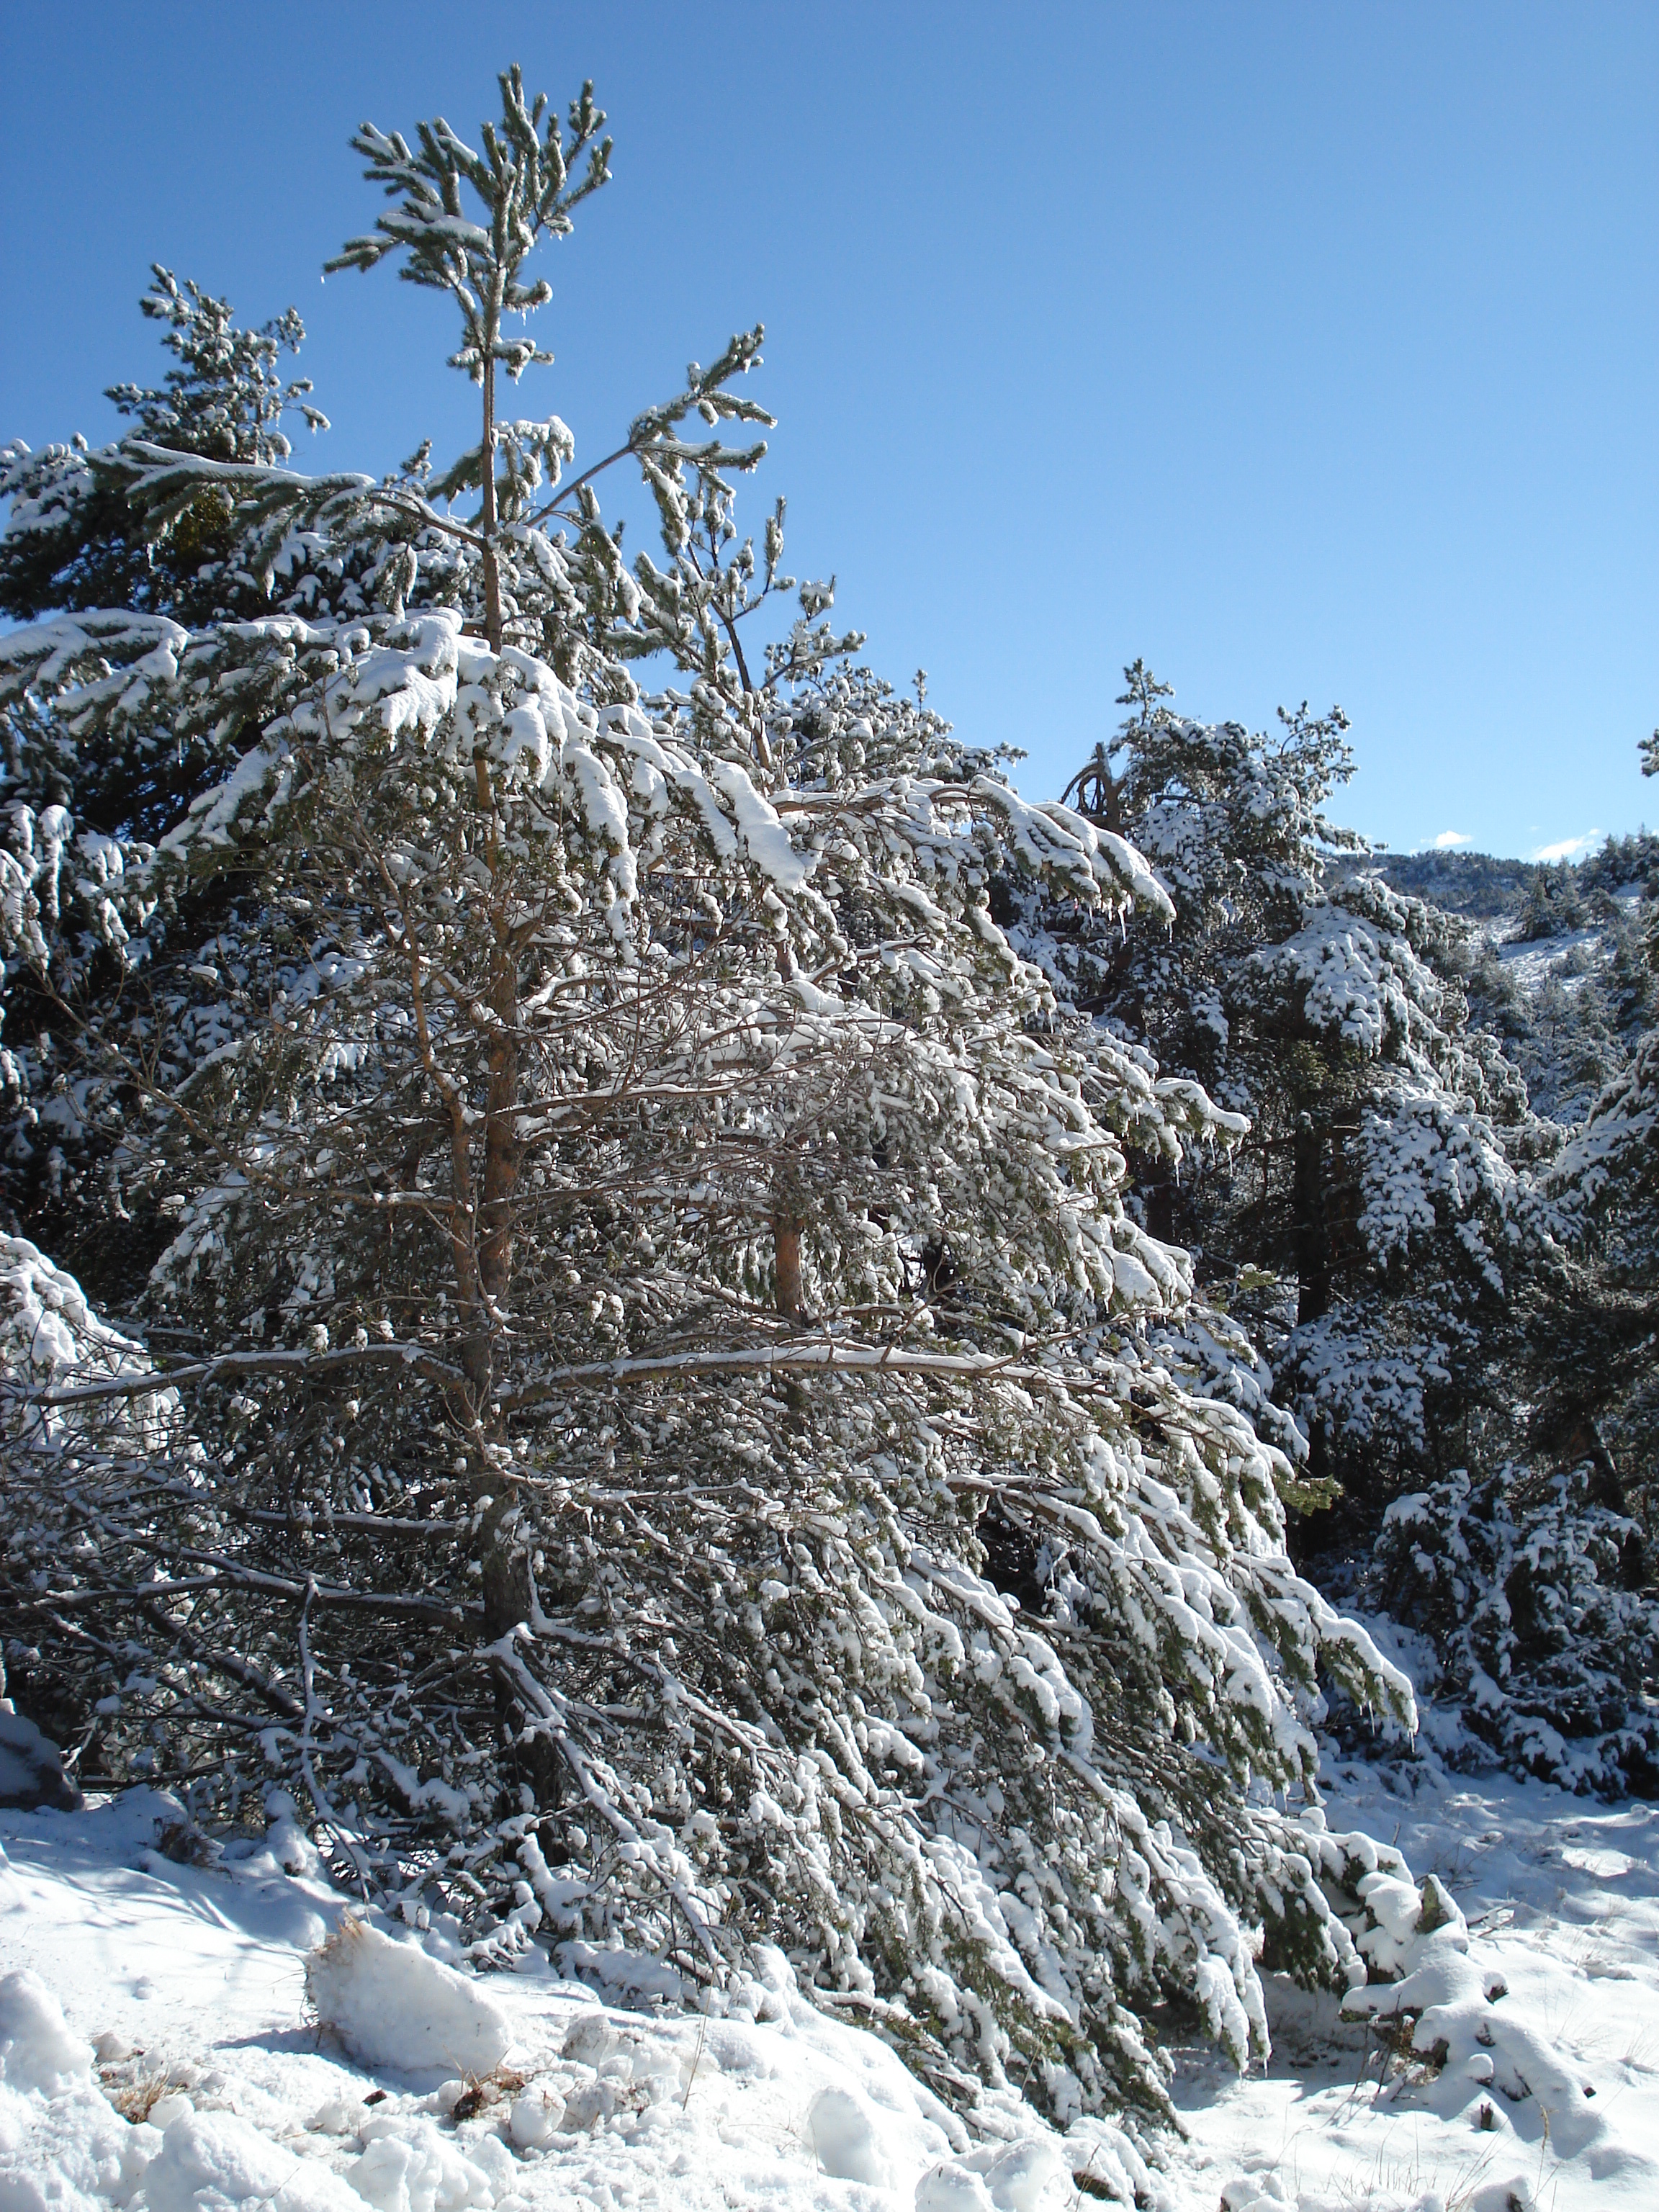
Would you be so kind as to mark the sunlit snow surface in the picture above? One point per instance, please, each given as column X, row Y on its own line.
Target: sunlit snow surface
column 1561, row 1895
column 196, row 1981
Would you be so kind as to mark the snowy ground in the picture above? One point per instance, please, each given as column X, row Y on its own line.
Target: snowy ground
column 1549, row 2096
column 192, row 1982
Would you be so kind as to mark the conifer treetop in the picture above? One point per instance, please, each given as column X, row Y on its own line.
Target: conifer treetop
column 523, row 177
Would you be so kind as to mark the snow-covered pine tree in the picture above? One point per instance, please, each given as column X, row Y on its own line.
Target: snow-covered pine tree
column 1534, row 1578
column 131, row 580
column 75, row 539
column 1534, row 1574
column 1531, row 1587
column 1365, row 1229
column 1468, row 1293
column 660, row 1436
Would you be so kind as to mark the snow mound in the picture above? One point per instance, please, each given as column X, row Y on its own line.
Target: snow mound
column 951, row 2187
column 846, row 2138
column 1450, row 2010
column 214, row 2158
column 1408, row 1918
column 412, row 2165
column 1019, row 2176
column 37, row 2050
column 31, row 1765
column 61, row 2150
column 391, row 2005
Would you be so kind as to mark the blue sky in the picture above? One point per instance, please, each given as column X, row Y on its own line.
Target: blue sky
column 1307, row 351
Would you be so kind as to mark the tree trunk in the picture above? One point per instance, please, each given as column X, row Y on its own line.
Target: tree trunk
column 508, row 1592
column 1308, row 1209
column 491, row 566
column 791, row 1300
column 463, row 1256
column 503, row 1149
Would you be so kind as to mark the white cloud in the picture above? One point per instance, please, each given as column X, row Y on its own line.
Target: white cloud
column 1569, row 849
column 1448, row 838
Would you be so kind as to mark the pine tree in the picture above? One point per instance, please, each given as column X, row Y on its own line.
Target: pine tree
column 73, row 537
column 1595, row 1344
column 1472, row 1282
column 1528, row 1585
column 659, row 1425
column 1365, row 1228
column 1533, row 1575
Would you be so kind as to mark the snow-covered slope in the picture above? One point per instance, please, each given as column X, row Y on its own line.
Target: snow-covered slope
column 160, row 2048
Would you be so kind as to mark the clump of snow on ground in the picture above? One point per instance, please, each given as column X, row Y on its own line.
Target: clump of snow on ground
column 391, row 2005
column 181, row 2037
column 61, row 2144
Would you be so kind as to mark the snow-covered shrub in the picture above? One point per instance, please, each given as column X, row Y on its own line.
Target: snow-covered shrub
column 1536, row 1592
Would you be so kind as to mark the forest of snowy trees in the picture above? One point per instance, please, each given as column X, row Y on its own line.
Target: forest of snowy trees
column 687, row 1322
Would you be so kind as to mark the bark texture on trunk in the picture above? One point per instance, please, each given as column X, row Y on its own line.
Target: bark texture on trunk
column 503, row 1149
column 790, row 1300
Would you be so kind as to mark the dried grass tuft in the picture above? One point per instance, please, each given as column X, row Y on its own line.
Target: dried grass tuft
column 484, row 2090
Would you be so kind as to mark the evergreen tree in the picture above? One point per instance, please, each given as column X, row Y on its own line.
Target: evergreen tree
column 1534, row 1576
column 1595, row 1344
column 74, row 537
column 658, row 1425
column 1533, row 1569
column 1365, row 1228
column 1528, row 1585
